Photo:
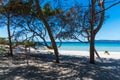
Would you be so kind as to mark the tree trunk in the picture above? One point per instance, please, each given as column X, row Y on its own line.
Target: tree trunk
column 92, row 37
column 41, row 16
column 92, row 49
column 9, row 36
column 49, row 47
column 52, row 40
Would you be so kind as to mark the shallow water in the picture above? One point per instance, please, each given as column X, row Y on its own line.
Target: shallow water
column 113, row 46
column 100, row 46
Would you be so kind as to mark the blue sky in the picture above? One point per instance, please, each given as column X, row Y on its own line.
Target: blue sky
column 109, row 31
column 111, row 28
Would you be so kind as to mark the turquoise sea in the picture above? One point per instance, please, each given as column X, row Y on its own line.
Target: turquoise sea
column 100, row 46
column 113, row 46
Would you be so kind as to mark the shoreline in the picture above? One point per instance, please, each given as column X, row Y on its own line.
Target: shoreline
column 114, row 55
column 102, row 54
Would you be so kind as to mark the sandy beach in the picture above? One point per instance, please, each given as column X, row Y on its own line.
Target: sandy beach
column 113, row 55
column 74, row 65
column 102, row 54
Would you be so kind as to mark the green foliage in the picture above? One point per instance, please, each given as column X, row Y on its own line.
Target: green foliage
column 49, row 11
column 3, row 41
column 17, row 7
column 20, row 8
column 2, row 49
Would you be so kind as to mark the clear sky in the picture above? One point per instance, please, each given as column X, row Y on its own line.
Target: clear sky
column 109, row 31
column 111, row 28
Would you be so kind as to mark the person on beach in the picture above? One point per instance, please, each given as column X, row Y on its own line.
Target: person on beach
column 106, row 52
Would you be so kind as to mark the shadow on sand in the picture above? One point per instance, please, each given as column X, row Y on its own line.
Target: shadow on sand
column 70, row 68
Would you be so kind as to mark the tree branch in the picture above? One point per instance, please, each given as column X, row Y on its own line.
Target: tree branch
column 108, row 7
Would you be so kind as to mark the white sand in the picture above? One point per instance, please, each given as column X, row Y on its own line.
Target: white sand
column 68, row 69
column 114, row 55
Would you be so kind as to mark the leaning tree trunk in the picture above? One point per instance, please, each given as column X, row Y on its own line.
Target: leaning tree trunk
column 52, row 40
column 9, row 36
column 41, row 16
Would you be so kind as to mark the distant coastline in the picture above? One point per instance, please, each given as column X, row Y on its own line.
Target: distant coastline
column 85, row 41
column 107, row 40
column 96, row 41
